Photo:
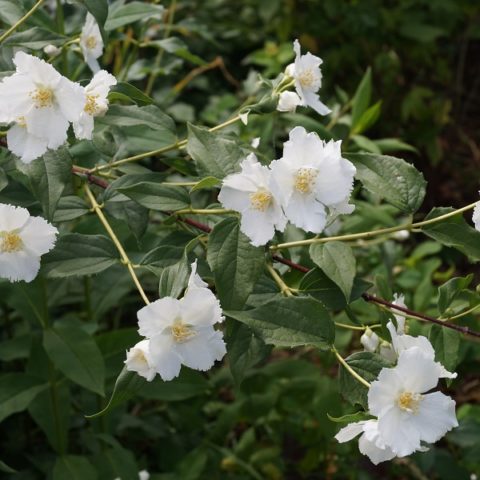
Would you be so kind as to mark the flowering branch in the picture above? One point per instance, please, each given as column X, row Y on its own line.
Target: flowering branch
column 374, row 233
column 125, row 259
column 7, row 33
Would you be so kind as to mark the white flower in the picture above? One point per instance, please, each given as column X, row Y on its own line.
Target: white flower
column 369, row 340
column 36, row 97
column 308, row 79
column 406, row 414
column 370, row 443
column 476, row 216
column 96, row 104
column 23, row 144
column 249, row 193
column 399, row 301
column 139, row 360
column 387, row 352
column 181, row 331
column 311, row 177
column 91, row 43
column 288, row 102
column 23, row 240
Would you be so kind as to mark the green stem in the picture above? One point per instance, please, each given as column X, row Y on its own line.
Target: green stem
column 160, row 151
column 284, row 288
column 349, row 369
column 19, row 22
column 203, row 211
column 353, row 327
column 373, row 233
column 460, row 315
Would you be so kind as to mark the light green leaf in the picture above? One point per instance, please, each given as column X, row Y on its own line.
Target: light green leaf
column 214, row 155
column 124, row 90
column 449, row 291
column 176, row 46
column 206, row 183
column 48, row 177
column 126, row 386
column 391, row 178
column 389, row 145
column 76, row 355
column 156, row 196
column 446, row 343
column 350, row 417
column 368, row 366
column 74, row 467
column 76, row 254
column 17, row 390
column 362, row 96
column 337, row 261
column 365, row 144
column 290, row 322
column 368, row 118
column 235, row 263
column 132, row 12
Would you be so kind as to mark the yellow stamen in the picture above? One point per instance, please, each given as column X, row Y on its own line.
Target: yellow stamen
column 409, row 401
column 91, row 105
column 21, row 122
column 305, row 179
column 260, row 200
column 181, row 332
column 10, row 242
column 43, row 97
column 91, row 42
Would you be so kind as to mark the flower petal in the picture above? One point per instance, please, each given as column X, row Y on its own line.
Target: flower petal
column 154, row 318
column 38, row 235
column 12, row 218
column 164, row 357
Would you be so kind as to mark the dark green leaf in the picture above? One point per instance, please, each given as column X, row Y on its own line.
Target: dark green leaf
column 337, row 262
column 76, row 355
column 449, row 291
column 454, row 232
column 235, row 263
column 290, row 322
column 391, row 178
column 156, row 196
column 446, row 343
column 132, row 12
column 176, row 46
column 70, row 207
column 362, row 96
column 368, row 366
column 73, row 467
column 124, row 89
column 214, row 155
column 77, row 254
column 350, row 417
column 5, row 468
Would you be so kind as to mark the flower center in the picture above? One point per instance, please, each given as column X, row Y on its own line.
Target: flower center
column 21, row 122
column 91, row 42
column 10, row 242
column 91, row 105
column 309, row 79
column 43, row 97
column 409, row 401
column 305, row 180
column 260, row 200
column 181, row 332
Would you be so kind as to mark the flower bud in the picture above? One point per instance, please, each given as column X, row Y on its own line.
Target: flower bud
column 288, row 102
column 401, row 235
column 387, row 351
column 290, row 70
column 369, row 340
column 52, row 50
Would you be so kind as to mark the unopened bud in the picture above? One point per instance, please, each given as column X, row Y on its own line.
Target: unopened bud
column 288, row 102
column 52, row 50
column 387, row 351
column 369, row 340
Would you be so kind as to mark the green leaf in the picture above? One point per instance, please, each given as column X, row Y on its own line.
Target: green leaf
column 337, row 261
column 174, row 278
column 454, row 232
column 176, row 46
column 48, row 177
column 124, row 89
column 156, row 196
column 76, row 355
column 319, row 286
column 388, row 145
column 74, row 467
column 76, row 254
column 245, row 349
column 130, row 13
column 10, row 11
column 69, row 208
column 99, row 10
column 51, row 411
column 128, row 211
column 365, row 144
column 3, row 179
column 206, row 183
column 368, row 366
column 368, row 118
column 5, row 468
column 446, row 343
column 290, row 322
column 391, row 178
column 214, row 155
column 362, row 96
column 449, row 291
column 35, row 38
column 350, row 417
column 17, row 390
column 235, row 263
column 126, row 386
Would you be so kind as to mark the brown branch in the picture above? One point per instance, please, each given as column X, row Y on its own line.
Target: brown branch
column 421, row 316
column 99, row 182
column 291, row 264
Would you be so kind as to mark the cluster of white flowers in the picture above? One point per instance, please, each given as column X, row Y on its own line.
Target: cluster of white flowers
column 310, row 183
column 178, row 332
column 41, row 104
column 406, row 414
column 307, row 76
column 23, row 240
